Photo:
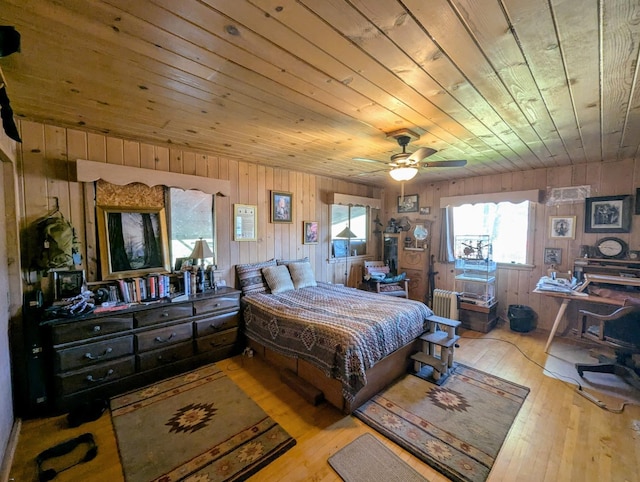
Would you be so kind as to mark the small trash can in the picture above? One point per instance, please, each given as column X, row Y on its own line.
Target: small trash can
column 521, row 318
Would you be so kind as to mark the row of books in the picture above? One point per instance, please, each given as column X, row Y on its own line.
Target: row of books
column 152, row 287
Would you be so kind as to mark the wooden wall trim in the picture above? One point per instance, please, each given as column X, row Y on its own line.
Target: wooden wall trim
column 89, row 171
column 349, row 200
column 515, row 197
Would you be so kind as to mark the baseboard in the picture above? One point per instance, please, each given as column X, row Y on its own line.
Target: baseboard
column 12, row 444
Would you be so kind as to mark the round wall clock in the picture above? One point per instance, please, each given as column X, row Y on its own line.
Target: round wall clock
column 611, row 248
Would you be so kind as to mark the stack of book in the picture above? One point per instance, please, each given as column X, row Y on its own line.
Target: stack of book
column 152, row 287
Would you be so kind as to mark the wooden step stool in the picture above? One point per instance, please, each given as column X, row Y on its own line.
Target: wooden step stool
column 436, row 337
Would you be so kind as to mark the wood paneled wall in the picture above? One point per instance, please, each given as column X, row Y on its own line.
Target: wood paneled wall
column 515, row 285
column 45, row 176
column 47, row 180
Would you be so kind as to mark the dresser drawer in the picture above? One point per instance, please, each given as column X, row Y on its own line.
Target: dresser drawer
column 218, row 340
column 152, row 339
column 214, row 324
column 82, row 330
column 94, row 376
column 164, row 356
column 91, row 353
column 162, row 314
column 219, row 303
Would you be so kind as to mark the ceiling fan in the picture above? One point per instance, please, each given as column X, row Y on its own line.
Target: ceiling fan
column 404, row 165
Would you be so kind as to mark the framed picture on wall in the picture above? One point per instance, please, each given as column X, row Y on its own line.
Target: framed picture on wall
column 562, row 227
column 552, row 256
column 608, row 214
column 281, row 207
column 310, row 232
column 408, row 204
column 245, row 222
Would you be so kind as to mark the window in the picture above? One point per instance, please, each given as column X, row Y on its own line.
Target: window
column 506, row 224
column 349, row 230
column 191, row 215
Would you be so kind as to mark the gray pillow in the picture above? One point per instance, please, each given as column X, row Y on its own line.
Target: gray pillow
column 278, row 278
column 302, row 275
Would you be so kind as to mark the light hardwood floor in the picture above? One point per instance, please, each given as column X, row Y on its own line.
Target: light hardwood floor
column 557, row 436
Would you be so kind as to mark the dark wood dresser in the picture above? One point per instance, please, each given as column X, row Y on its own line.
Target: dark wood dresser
column 107, row 353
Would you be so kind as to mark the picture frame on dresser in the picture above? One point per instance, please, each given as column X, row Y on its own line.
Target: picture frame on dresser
column 133, row 241
column 608, row 214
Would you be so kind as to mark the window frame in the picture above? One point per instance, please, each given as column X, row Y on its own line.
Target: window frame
column 515, row 197
column 170, row 207
column 367, row 239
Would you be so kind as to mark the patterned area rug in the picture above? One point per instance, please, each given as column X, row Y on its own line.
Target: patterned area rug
column 457, row 427
column 194, row 427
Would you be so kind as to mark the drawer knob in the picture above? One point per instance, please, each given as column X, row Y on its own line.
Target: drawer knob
column 165, row 340
column 165, row 314
column 90, row 356
column 90, row 378
column 96, row 328
column 216, row 305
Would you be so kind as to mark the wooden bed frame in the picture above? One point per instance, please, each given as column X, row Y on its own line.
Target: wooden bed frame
column 378, row 376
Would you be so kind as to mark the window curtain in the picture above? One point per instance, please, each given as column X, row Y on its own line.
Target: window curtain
column 446, row 247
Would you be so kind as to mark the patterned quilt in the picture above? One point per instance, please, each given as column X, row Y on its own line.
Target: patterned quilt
column 342, row 331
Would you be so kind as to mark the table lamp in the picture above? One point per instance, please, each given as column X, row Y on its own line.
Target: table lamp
column 201, row 251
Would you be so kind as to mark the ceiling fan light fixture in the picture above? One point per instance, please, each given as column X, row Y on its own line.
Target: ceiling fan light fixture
column 403, row 173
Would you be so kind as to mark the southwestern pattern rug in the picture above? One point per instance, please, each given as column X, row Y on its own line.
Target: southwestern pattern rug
column 457, row 427
column 194, row 427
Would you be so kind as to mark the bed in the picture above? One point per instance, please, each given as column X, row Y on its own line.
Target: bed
column 347, row 343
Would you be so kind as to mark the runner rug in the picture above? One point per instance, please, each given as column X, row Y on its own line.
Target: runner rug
column 457, row 427
column 367, row 459
column 196, row 426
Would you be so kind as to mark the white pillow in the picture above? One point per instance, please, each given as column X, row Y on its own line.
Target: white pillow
column 278, row 278
column 302, row 275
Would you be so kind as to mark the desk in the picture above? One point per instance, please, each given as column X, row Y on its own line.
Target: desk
column 567, row 297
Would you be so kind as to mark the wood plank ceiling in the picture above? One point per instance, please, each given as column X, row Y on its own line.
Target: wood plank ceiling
column 310, row 84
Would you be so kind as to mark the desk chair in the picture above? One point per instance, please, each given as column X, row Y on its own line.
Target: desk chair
column 396, row 288
column 617, row 331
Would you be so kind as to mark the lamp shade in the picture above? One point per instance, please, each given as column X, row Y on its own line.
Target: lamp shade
column 201, row 250
column 346, row 233
column 403, row 173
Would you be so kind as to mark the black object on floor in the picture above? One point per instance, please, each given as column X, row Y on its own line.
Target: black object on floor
column 64, row 448
column 87, row 412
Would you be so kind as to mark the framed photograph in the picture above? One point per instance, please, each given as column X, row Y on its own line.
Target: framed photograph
column 281, row 207
column 425, row 210
column 311, row 232
column 608, row 214
column 67, row 284
column 133, row 242
column 245, row 219
column 552, row 256
column 408, row 204
column 562, row 227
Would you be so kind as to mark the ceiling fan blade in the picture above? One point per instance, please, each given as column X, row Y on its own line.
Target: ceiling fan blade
column 445, row 163
column 421, row 154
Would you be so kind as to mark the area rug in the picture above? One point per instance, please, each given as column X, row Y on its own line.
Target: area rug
column 565, row 353
column 457, row 427
column 197, row 426
column 366, row 459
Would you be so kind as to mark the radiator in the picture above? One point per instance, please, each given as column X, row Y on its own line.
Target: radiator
column 445, row 304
